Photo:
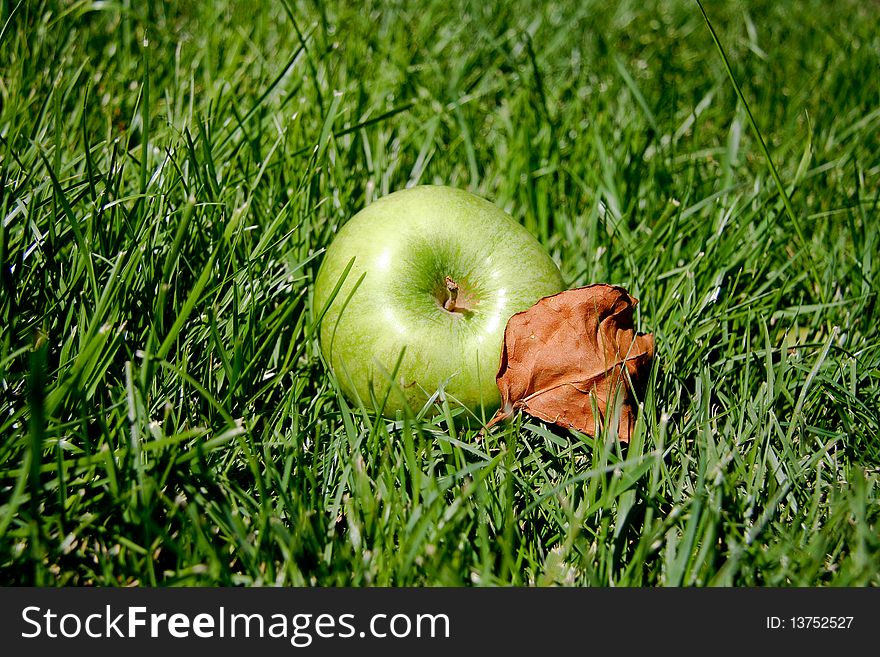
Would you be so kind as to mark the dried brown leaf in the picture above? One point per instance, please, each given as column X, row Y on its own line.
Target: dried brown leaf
column 573, row 351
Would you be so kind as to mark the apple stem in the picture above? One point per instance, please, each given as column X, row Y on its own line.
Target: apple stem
column 452, row 288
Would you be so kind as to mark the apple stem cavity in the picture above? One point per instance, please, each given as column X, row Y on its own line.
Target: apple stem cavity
column 452, row 289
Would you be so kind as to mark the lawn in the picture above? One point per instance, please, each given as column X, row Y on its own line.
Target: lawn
column 171, row 173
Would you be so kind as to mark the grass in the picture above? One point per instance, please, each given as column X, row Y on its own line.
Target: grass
column 171, row 172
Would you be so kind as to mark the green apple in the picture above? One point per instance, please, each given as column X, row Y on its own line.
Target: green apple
column 435, row 273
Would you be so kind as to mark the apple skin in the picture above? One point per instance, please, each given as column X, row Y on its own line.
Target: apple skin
column 404, row 245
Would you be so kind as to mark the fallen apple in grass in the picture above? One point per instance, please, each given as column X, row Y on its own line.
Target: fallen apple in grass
column 416, row 290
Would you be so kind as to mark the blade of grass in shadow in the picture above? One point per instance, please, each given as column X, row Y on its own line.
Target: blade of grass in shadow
column 773, row 172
